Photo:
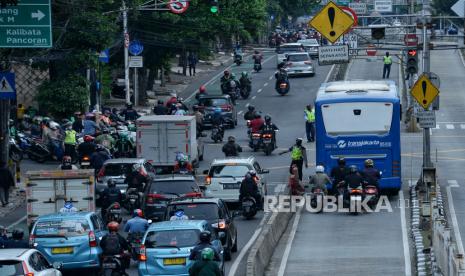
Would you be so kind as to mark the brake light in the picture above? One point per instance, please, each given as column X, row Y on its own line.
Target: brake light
column 267, row 136
column 32, row 239
column 208, row 180
column 308, row 62
column 283, row 85
column 116, row 205
column 86, row 158
column 29, row 274
column 371, row 190
column 256, row 135
column 142, row 252
column 221, row 224
column 226, row 107
column 151, row 197
column 92, row 239
column 101, row 173
column 193, row 194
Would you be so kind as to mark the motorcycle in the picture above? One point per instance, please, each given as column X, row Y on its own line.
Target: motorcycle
column 249, row 207
column 268, row 143
column 113, row 213
column 111, row 266
column 15, row 152
column 317, row 196
column 38, row 151
column 371, row 192
column 257, row 67
column 84, row 162
column 245, row 91
column 238, row 59
column 283, row 88
column 355, row 200
column 132, row 199
column 135, row 242
column 255, row 141
column 217, row 134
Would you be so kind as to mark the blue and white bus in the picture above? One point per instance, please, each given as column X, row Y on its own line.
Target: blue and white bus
column 360, row 120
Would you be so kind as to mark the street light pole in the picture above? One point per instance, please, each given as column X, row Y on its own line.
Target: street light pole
column 426, row 70
column 126, row 52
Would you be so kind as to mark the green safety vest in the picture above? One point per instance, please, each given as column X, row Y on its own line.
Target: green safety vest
column 310, row 116
column 70, row 137
column 387, row 60
column 296, row 153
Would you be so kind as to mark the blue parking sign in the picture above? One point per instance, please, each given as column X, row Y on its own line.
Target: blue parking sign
column 7, row 86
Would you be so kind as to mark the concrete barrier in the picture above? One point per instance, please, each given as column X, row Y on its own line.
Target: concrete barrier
column 260, row 254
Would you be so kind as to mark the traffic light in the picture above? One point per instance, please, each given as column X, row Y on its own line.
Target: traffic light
column 214, row 7
column 378, row 33
column 412, row 61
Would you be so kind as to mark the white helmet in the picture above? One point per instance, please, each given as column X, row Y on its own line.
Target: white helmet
column 320, row 169
column 54, row 125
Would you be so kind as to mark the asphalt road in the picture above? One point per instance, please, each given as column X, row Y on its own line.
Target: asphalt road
column 338, row 243
column 287, row 114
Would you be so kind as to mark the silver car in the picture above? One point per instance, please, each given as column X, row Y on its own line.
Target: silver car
column 311, row 46
column 284, row 49
column 299, row 64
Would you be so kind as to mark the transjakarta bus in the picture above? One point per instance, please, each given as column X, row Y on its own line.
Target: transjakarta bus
column 360, row 120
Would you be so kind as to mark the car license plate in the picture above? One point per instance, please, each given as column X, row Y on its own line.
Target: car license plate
column 62, row 250
column 230, row 186
column 266, row 141
column 115, row 211
column 109, row 265
column 133, row 196
column 247, row 204
column 174, row 261
column 85, row 164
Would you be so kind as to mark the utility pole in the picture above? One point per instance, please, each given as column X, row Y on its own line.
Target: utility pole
column 126, row 52
column 426, row 70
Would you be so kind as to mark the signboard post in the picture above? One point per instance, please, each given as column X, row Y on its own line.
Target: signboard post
column 424, row 91
column 427, row 118
column 27, row 25
column 334, row 54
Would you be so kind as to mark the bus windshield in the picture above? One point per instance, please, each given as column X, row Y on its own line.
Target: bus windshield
column 356, row 118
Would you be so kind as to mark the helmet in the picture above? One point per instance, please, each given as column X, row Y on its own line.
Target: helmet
column 66, row 159
column 231, row 139
column 248, row 175
column 369, row 163
column 252, row 173
column 65, row 121
column 111, row 183
column 217, row 110
column 53, row 125
column 129, row 105
column 251, row 108
column 88, row 138
column 320, row 169
column 353, row 169
column 137, row 213
column 226, row 72
column 160, row 101
column 205, row 236
column 258, row 116
column 136, row 167
column 105, row 131
column 267, row 118
column 207, row 254
column 18, row 234
column 202, row 89
column 256, row 52
column 341, row 161
column 298, row 141
column 195, row 107
column 113, row 226
column 245, row 74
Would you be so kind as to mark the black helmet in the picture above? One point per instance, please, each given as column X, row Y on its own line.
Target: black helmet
column 298, row 141
column 160, row 101
column 205, row 236
column 106, row 131
column 258, row 116
column 251, row 108
column 18, row 234
column 231, row 139
column 195, row 107
column 268, row 118
column 111, row 183
column 341, row 161
column 353, row 169
column 129, row 105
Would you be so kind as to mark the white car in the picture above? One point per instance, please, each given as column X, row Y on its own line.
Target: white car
column 284, row 49
column 225, row 176
column 299, row 64
column 311, row 45
column 23, row 261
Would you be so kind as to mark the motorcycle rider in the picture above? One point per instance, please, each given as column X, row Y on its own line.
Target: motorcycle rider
column 90, row 126
column 199, row 117
column 257, row 58
column 218, row 121
column 353, row 179
column 54, row 140
column 16, row 240
column 249, row 187
column 205, row 266
column 202, row 92
column 137, row 225
column 114, row 244
column 135, row 178
column 204, row 242
column 371, row 175
column 269, row 128
column 250, row 114
column 129, row 113
column 231, row 148
column 339, row 173
column 183, row 164
column 98, row 158
column 110, row 195
column 225, row 79
column 160, row 108
column 87, row 148
column 298, row 156
column 281, row 76
column 106, row 140
column 256, row 124
column 180, row 110
column 67, row 164
column 245, row 81
column 320, row 179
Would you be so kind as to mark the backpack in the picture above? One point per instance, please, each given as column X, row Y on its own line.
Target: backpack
column 112, row 246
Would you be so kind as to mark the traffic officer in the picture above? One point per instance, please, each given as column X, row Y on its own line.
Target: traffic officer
column 310, row 123
column 298, row 156
column 70, row 141
column 387, row 60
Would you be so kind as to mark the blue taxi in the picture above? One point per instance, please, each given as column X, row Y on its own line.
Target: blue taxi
column 69, row 238
column 168, row 244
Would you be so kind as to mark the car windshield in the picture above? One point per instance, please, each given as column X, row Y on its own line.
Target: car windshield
column 298, row 58
column 213, row 102
column 229, row 170
column 62, row 227
column 173, row 187
column 11, row 268
column 289, row 49
column 118, row 169
column 172, row 238
column 195, row 211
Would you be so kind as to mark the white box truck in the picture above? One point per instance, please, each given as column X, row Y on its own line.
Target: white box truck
column 161, row 137
column 47, row 191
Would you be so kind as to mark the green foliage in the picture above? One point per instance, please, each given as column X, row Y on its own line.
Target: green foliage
column 63, row 97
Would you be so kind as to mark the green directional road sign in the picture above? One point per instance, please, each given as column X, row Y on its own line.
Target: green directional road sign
column 27, row 25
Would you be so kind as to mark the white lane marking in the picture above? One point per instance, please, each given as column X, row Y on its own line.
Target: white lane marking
column 271, row 77
column 279, row 188
column 437, row 126
column 430, row 131
column 290, row 240
column 265, row 84
column 254, row 97
column 346, row 75
column 247, row 104
column 462, row 126
column 403, row 223
column 17, row 222
column 329, row 73
column 259, row 90
column 455, row 224
column 239, row 113
column 450, row 126
column 453, row 183
column 235, row 265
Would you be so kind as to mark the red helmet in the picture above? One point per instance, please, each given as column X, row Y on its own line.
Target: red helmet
column 88, row 138
column 138, row 213
column 202, row 89
column 113, row 226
